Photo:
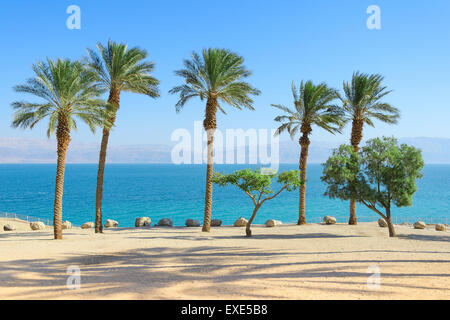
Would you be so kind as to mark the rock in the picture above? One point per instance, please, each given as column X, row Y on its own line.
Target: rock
column 382, row 223
column 241, row 222
column 66, row 225
column 329, row 220
column 111, row 224
column 165, row 222
column 273, row 223
column 192, row 223
column 419, row 225
column 143, row 222
column 87, row 225
column 216, row 223
column 438, row 227
column 9, row 227
column 37, row 225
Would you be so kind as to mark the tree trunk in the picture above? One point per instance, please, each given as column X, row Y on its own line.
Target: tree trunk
column 304, row 143
column 63, row 137
column 210, row 125
column 248, row 231
column 390, row 224
column 114, row 99
column 99, row 192
column 353, row 220
column 355, row 140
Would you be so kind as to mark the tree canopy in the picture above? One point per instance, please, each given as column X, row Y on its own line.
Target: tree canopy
column 362, row 100
column 384, row 173
column 258, row 185
column 216, row 74
column 313, row 106
column 123, row 69
column 67, row 91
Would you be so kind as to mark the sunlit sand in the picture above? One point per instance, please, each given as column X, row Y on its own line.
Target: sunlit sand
column 286, row 262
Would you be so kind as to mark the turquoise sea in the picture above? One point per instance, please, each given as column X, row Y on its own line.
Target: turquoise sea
column 177, row 192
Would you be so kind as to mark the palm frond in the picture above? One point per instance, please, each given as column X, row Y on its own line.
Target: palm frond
column 215, row 73
column 362, row 99
column 68, row 90
column 313, row 106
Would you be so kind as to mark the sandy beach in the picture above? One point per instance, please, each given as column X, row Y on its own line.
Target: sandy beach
column 286, row 262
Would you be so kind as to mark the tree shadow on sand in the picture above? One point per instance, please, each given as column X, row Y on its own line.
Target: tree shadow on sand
column 147, row 271
column 426, row 237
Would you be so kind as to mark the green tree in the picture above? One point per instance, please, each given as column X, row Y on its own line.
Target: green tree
column 257, row 186
column 313, row 106
column 215, row 76
column 362, row 104
column 118, row 69
column 383, row 174
column 68, row 91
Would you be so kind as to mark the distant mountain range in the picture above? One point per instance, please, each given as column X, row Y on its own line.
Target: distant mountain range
column 16, row 150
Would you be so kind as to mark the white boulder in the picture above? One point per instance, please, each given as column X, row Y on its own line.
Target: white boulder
column 241, row 222
column 37, row 225
column 440, row 227
column 382, row 223
column 143, row 222
column 329, row 220
column 273, row 223
column 111, row 224
column 9, row 227
column 419, row 225
column 66, row 225
column 87, row 225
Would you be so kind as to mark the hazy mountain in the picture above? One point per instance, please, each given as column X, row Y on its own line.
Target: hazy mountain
column 15, row 150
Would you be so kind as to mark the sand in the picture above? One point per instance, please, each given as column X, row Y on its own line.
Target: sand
column 288, row 262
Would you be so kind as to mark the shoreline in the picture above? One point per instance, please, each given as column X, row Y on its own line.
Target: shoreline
column 313, row 261
column 23, row 226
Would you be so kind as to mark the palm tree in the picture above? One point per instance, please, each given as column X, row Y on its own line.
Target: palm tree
column 361, row 104
column 215, row 76
column 118, row 69
column 68, row 91
column 312, row 107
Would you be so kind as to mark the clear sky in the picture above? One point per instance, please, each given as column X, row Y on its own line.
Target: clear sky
column 281, row 41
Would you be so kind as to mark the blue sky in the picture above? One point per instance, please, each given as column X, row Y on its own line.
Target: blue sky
column 281, row 41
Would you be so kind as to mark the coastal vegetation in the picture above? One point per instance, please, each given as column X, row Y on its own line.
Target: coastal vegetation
column 313, row 106
column 215, row 76
column 67, row 91
column 362, row 104
column 118, row 69
column 381, row 175
column 257, row 185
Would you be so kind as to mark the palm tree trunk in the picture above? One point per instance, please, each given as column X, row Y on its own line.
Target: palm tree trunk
column 248, row 231
column 304, row 143
column 114, row 99
column 99, row 192
column 63, row 137
column 210, row 125
column 357, row 128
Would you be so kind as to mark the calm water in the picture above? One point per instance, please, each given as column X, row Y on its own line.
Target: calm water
column 177, row 192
